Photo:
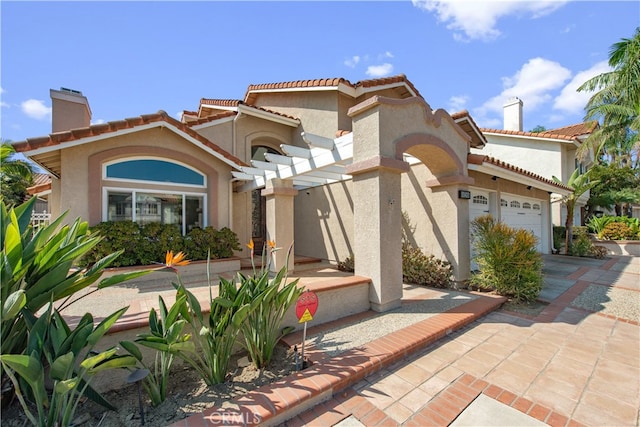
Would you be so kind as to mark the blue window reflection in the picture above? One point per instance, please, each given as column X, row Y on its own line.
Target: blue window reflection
column 154, row 170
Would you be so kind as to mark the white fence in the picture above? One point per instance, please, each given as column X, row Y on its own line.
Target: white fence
column 40, row 219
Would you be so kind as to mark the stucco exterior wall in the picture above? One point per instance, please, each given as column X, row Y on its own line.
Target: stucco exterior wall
column 541, row 157
column 252, row 131
column 220, row 134
column 317, row 113
column 323, row 223
column 81, row 184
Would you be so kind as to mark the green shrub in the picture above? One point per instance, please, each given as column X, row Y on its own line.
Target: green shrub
column 147, row 244
column 200, row 242
column 582, row 245
column 422, row 269
column 619, row 231
column 507, row 258
column 156, row 240
column 116, row 236
column 559, row 234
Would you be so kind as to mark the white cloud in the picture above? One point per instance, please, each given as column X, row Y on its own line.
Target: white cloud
column 379, row 70
column 97, row 122
column 352, row 62
column 572, row 101
column 533, row 84
column 478, row 19
column 36, row 109
column 458, row 103
column 2, row 103
column 387, row 54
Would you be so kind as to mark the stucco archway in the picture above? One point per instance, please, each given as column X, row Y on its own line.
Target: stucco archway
column 383, row 130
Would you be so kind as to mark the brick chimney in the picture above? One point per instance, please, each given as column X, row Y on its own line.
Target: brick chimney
column 513, row 114
column 70, row 110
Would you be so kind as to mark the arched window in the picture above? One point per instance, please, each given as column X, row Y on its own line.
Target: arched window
column 147, row 190
column 526, row 205
column 503, row 202
column 536, row 207
column 515, row 204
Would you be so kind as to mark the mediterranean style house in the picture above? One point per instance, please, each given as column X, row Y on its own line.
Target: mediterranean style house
column 549, row 153
column 332, row 166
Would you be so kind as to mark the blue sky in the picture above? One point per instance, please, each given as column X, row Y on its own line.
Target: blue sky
column 133, row 58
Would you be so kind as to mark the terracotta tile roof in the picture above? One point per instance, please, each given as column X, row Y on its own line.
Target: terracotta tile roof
column 577, row 129
column 189, row 113
column 479, row 159
column 470, row 127
column 76, row 134
column 341, row 132
column 211, row 118
column 41, row 182
column 224, row 114
column 220, row 102
column 329, row 82
column 532, row 134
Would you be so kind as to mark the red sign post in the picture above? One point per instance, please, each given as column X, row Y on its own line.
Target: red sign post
column 306, row 307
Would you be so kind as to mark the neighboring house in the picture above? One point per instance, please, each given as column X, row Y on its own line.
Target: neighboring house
column 548, row 154
column 328, row 164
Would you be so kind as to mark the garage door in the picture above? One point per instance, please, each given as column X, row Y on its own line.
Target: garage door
column 519, row 212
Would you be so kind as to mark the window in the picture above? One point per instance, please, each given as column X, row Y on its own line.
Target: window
column 536, row 207
column 153, row 170
column 165, row 208
column 161, row 201
column 503, row 202
column 526, row 205
column 515, row 204
column 480, row 200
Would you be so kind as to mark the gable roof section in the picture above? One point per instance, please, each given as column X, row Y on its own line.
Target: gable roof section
column 34, row 147
column 242, row 108
column 489, row 165
column 466, row 122
column 338, row 83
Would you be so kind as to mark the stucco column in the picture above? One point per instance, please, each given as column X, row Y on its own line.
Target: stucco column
column 279, row 194
column 377, row 212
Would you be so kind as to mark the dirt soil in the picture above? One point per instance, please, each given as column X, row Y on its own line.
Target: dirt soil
column 187, row 395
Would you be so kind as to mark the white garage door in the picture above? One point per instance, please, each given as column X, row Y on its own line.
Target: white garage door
column 520, row 212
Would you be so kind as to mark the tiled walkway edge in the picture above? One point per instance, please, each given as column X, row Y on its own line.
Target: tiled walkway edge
column 275, row 403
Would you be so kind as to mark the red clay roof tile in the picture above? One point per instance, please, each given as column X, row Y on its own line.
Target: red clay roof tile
column 76, row 134
column 479, row 159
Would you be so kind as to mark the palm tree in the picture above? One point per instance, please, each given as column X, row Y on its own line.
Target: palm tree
column 580, row 184
column 15, row 175
column 617, row 100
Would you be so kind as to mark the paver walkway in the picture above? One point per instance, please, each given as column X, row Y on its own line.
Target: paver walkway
column 575, row 363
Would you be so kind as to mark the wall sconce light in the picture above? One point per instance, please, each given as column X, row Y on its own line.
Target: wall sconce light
column 494, row 178
column 528, row 187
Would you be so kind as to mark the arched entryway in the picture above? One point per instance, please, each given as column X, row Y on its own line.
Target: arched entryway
column 258, row 201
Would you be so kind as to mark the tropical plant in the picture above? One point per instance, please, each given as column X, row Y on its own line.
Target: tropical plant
column 507, row 258
column 269, row 300
column 39, row 268
column 216, row 332
column 168, row 339
column 64, row 359
column 616, row 101
column 15, row 175
column 580, row 184
column 618, row 188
